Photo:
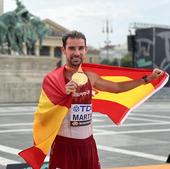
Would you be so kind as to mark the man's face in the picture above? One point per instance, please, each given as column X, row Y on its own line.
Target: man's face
column 75, row 51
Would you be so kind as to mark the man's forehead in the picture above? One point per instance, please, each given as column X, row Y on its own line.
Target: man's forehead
column 75, row 41
column 75, row 46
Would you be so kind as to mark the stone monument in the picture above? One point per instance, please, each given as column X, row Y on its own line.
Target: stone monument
column 19, row 27
column 21, row 76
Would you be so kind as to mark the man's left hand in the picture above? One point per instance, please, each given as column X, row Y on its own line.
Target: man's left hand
column 155, row 74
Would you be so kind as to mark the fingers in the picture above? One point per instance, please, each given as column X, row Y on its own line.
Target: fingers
column 94, row 92
column 157, row 72
column 71, row 87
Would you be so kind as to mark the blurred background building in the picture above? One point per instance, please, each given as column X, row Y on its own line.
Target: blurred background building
column 150, row 46
column 112, row 52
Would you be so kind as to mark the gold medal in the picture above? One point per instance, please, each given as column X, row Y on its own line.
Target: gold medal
column 80, row 78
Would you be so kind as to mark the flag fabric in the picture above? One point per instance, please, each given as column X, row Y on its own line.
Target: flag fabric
column 54, row 104
column 51, row 110
column 118, row 106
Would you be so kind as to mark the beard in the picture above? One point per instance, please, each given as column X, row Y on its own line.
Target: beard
column 76, row 61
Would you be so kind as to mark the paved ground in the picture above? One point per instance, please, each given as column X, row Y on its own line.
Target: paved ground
column 143, row 139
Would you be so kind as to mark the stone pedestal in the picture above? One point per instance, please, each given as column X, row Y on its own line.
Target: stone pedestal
column 21, row 77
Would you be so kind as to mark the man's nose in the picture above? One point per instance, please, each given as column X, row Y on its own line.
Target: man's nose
column 77, row 52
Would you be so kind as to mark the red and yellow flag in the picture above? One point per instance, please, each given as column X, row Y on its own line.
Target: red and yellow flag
column 118, row 106
column 54, row 104
column 51, row 110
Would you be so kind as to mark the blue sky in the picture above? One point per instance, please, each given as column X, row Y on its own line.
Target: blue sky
column 89, row 16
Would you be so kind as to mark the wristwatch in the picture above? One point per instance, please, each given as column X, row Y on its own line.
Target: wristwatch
column 145, row 78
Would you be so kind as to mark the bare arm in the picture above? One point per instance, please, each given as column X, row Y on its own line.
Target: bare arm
column 117, row 87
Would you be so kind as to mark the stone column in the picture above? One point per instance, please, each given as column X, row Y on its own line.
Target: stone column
column 24, row 49
column 52, row 51
column 37, row 50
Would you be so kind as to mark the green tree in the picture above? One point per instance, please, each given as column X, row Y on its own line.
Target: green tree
column 105, row 62
column 114, row 62
column 127, row 61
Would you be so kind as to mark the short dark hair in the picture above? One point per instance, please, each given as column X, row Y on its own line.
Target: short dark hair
column 73, row 34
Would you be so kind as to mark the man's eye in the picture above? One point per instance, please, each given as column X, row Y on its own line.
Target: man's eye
column 71, row 48
column 81, row 48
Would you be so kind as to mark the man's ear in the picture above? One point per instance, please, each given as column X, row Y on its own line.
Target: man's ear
column 63, row 50
column 87, row 49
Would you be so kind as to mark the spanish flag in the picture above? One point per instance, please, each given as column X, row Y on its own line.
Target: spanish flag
column 118, row 106
column 52, row 107
column 54, row 104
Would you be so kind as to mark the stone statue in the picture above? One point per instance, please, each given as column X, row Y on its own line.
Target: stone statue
column 18, row 27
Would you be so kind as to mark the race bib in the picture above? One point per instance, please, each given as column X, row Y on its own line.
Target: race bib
column 80, row 114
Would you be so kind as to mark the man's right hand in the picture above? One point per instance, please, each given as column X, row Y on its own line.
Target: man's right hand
column 71, row 87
